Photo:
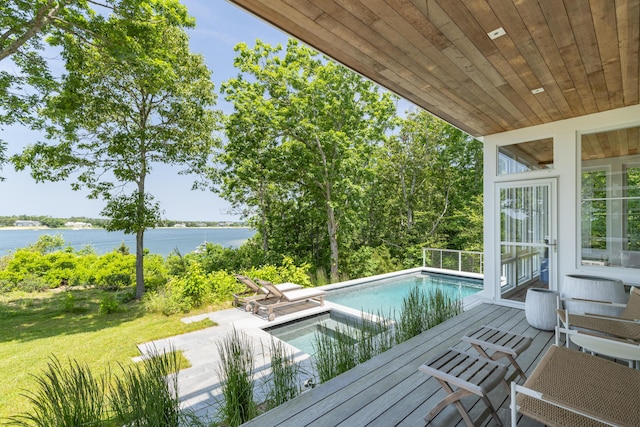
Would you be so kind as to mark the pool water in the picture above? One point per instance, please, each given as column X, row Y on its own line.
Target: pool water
column 385, row 296
column 301, row 333
column 382, row 297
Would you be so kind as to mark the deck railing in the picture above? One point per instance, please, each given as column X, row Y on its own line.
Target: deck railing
column 449, row 259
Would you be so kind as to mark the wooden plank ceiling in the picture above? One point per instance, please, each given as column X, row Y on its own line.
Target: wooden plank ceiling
column 437, row 53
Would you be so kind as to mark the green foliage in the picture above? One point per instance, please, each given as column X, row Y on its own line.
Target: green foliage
column 114, row 271
column 214, row 257
column 65, row 397
column 299, row 147
column 287, row 271
column 236, row 373
column 69, row 302
column 166, row 301
column 192, row 289
column 47, row 243
column 142, row 395
column 283, row 376
column 133, row 96
column 147, row 395
column 36, row 268
column 340, row 349
column 421, row 310
column 344, row 186
column 155, row 271
column 367, row 261
column 194, row 284
column 224, row 285
column 108, row 305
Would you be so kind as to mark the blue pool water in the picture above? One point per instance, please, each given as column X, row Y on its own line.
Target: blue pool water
column 302, row 333
column 385, row 296
column 382, row 297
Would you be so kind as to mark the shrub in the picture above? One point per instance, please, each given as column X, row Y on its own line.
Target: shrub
column 143, row 395
column 283, row 378
column 24, row 265
column 341, row 349
column 61, row 266
column 224, row 285
column 114, row 271
column 423, row 310
column 69, row 302
column 214, row 257
column 368, row 261
column 47, row 243
column 287, row 271
column 155, row 272
column 124, row 297
column 147, row 395
column 116, row 281
column 236, row 372
column 108, row 305
column 65, row 397
column 165, row 301
column 194, row 284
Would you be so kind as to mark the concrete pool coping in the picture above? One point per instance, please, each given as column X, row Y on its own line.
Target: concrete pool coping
column 199, row 386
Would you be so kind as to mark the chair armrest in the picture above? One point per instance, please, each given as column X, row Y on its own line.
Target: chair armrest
column 619, row 319
column 593, row 301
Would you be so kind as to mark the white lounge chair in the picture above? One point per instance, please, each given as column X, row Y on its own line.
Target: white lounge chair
column 279, row 299
column 256, row 292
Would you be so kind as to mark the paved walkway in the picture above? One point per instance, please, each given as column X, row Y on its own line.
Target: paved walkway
column 199, row 385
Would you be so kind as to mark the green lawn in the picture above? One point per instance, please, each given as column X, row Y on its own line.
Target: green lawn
column 35, row 326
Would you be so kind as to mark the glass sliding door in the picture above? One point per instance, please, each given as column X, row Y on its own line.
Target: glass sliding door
column 527, row 236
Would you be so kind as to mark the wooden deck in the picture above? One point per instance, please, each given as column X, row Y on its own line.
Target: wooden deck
column 388, row 390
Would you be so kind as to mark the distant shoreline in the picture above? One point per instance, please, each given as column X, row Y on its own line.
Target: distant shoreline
column 42, row 227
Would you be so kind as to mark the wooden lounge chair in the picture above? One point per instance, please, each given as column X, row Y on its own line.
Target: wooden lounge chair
column 279, row 299
column 470, row 374
column 256, row 292
column 569, row 388
column 626, row 326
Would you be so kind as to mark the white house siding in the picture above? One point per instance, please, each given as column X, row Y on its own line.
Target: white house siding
column 567, row 164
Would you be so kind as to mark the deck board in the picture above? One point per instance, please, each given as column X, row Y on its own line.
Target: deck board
column 389, row 390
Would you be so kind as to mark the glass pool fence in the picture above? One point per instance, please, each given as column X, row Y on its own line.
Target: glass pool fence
column 449, row 259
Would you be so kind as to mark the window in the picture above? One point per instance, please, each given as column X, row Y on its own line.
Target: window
column 610, row 198
column 525, row 156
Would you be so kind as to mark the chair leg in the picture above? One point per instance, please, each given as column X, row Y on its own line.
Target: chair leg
column 499, row 355
column 494, row 414
column 453, row 397
column 517, row 367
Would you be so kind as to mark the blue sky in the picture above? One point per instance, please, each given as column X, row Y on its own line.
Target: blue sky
column 219, row 27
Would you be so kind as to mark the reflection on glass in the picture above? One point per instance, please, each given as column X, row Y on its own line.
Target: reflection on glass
column 525, row 156
column 610, row 198
column 524, row 233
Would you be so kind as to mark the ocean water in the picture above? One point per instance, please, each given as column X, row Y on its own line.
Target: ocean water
column 159, row 241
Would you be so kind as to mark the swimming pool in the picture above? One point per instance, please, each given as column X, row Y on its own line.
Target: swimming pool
column 301, row 333
column 386, row 295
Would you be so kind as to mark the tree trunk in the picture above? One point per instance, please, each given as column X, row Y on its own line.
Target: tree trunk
column 333, row 242
column 139, row 264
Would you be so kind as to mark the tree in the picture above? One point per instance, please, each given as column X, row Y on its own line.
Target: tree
column 427, row 173
column 302, row 133
column 135, row 96
column 24, row 25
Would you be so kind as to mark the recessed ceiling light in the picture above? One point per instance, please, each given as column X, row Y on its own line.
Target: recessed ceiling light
column 499, row 32
column 537, row 90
